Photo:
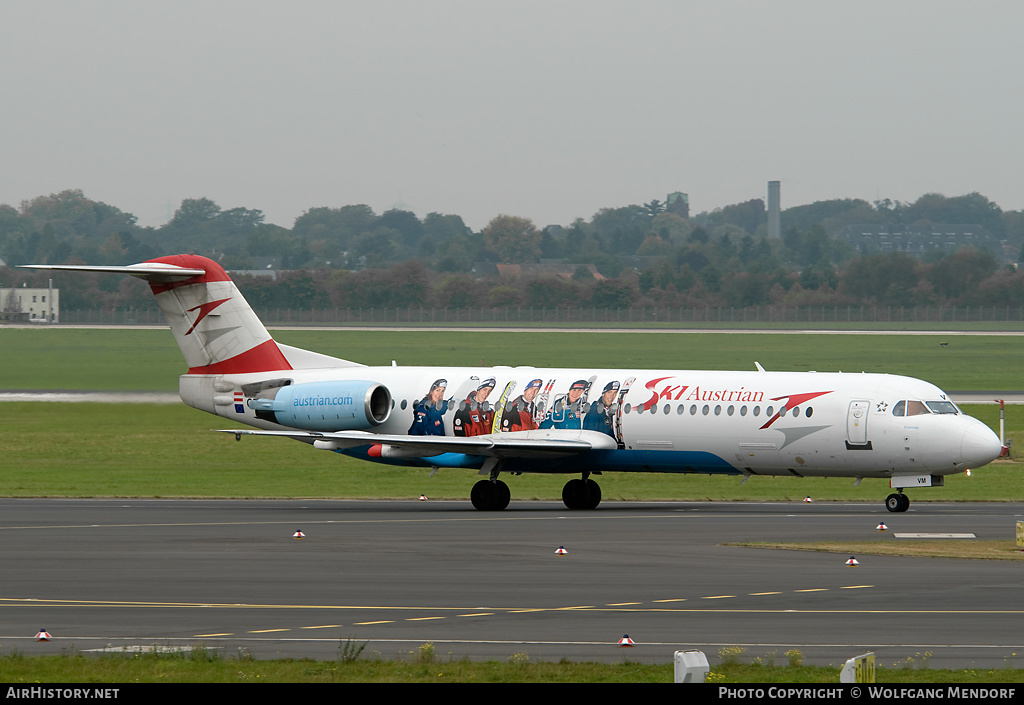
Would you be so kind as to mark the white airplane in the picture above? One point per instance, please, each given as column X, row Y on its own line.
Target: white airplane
column 574, row 421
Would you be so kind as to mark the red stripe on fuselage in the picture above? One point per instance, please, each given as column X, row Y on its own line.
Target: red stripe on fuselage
column 265, row 357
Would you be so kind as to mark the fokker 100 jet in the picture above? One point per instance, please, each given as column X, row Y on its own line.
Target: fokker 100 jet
column 581, row 422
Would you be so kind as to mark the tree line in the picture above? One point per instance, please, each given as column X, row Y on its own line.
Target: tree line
column 631, row 256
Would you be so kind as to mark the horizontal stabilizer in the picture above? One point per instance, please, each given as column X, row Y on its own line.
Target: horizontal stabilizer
column 148, row 271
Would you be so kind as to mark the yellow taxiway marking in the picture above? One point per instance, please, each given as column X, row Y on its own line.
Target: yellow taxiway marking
column 716, row 597
column 855, row 587
column 764, row 593
column 199, row 636
column 383, row 621
column 420, row 619
column 674, row 599
column 324, row 626
column 622, row 604
column 266, row 631
column 813, row 590
column 477, row 614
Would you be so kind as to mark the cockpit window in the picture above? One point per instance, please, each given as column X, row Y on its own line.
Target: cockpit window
column 942, row 407
column 915, row 408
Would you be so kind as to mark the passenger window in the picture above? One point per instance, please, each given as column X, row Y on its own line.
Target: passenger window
column 900, row 409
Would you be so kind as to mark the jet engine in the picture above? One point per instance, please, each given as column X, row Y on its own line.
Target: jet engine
column 354, row 405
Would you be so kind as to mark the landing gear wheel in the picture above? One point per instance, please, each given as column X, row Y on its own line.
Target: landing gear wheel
column 488, row 495
column 504, row 495
column 897, row 502
column 595, row 494
column 581, row 494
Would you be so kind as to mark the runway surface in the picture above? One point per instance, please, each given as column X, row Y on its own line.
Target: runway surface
column 125, row 574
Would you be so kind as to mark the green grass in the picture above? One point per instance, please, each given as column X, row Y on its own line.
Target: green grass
column 424, row 666
column 148, row 360
column 169, row 451
column 1006, row 550
column 151, row 450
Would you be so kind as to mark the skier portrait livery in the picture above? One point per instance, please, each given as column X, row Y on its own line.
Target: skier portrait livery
column 599, row 415
column 565, row 413
column 475, row 416
column 428, row 413
column 518, row 416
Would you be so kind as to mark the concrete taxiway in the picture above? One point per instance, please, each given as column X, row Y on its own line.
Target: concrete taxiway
column 125, row 574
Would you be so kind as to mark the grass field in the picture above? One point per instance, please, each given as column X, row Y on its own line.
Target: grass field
column 425, row 666
column 168, row 451
column 148, row 360
column 150, row 450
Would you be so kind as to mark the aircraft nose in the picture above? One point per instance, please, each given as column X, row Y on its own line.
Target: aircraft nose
column 979, row 445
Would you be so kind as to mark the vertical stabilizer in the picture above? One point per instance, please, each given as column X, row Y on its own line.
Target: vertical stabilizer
column 215, row 328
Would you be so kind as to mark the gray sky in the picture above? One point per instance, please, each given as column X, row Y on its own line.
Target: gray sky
column 549, row 110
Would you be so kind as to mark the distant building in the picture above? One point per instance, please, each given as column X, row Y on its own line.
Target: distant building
column 30, row 305
column 875, row 238
column 262, row 267
column 774, row 210
column 556, row 268
column 678, row 203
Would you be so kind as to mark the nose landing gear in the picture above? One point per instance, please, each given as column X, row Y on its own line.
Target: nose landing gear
column 897, row 502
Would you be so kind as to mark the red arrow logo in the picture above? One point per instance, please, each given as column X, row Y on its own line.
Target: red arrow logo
column 204, row 311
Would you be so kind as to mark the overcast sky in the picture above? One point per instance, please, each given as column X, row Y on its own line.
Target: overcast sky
column 549, row 110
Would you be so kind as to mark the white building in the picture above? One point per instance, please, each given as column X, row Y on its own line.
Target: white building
column 30, row 305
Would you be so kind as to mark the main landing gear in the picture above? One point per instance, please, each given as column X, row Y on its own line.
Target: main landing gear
column 490, row 495
column 897, row 502
column 493, row 494
column 581, row 494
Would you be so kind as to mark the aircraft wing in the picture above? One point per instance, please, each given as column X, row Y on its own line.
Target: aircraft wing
column 516, row 444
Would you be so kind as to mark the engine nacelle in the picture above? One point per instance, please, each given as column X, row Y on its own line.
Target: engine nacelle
column 354, row 405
